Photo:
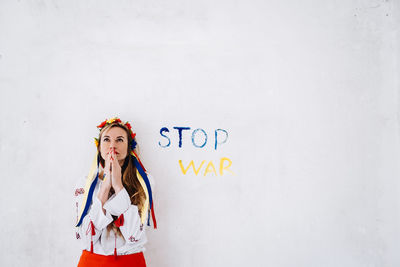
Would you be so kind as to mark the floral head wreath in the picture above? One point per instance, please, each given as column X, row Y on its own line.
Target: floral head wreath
column 117, row 120
column 141, row 174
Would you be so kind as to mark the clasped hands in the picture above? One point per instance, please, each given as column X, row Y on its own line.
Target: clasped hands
column 112, row 173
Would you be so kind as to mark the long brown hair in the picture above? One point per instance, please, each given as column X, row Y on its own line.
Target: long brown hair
column 129, row 178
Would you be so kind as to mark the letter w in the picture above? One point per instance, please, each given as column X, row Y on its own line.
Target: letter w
column 184, row 171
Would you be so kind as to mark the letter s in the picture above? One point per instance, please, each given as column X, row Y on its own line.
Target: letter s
column 164, row 129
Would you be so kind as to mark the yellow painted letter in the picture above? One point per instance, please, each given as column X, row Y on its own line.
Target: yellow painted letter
column 184, row 171
column 222, row 168
column 210, row 164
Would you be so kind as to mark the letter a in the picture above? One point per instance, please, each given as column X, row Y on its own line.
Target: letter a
column 210, row 164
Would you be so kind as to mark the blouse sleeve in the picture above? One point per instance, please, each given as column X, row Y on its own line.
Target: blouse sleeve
column 93, row 223
column 120, row 204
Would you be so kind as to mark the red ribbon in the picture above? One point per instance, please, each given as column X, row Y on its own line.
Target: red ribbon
column 154, row 218
column 120, row 221
column 93, row 232
column 92, row 226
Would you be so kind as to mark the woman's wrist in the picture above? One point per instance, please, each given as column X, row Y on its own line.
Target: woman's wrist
column 103, row 193
column 118, row 188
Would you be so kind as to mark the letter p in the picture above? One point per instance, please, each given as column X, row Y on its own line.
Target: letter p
column 216, row 137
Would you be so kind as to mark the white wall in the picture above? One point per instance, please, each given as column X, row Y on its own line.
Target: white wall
column 307, row 90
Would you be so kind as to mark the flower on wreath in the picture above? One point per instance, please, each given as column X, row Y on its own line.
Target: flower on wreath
column 96, row 141
column 102, row 124
column 113, row 120
column 109, row 121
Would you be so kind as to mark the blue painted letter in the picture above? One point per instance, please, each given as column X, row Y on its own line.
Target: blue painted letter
column 165, row 129
column 205, row 139
column 180, row 133
column 216, row 137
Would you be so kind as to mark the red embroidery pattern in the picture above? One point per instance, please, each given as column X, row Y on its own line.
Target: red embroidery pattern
column 79, row 191
column 77, row 217
column 132, row 239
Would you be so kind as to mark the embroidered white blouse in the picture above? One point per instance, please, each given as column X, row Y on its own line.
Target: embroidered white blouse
column 133, row 231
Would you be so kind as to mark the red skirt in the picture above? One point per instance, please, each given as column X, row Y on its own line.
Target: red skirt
column 89, row 259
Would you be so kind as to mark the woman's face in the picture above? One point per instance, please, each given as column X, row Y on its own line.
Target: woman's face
column 117, row 138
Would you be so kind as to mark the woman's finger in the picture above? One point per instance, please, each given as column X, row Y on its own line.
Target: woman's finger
column 107, row 160
column 107, row 164
column 112, row 154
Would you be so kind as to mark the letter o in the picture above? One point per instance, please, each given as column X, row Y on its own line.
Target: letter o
column 205, row 139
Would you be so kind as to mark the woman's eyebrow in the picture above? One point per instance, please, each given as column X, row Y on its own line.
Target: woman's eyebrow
column 116, row 137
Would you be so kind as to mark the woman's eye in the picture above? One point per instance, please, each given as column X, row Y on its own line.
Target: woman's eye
column 118, row 140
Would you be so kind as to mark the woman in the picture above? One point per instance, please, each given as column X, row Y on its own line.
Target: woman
column 116, row 201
